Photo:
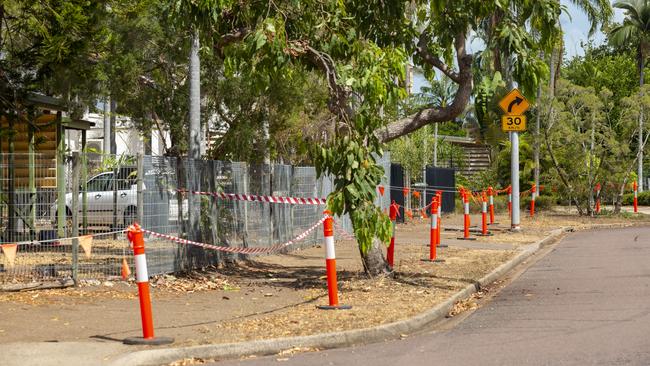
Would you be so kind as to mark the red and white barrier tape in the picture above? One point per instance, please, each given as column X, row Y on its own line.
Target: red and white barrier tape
column 416, row 208
column 257, row 198
column 261, row 250
column 427, row 206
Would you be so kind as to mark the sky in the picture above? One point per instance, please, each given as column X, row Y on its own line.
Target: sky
column 576, row 29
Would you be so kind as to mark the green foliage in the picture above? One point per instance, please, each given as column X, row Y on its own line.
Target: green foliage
column 462, row 180
column 111, row 162
column 275, row 63
column 356, row 176
column 484, row 179
column 634, row 29
column 525, row 164
column 542, row 203
column 475, row 207
column 604, row 68
column 643, row 199
column 487, row 92
column 49, row 46
column 415, row 151
column 283, row 106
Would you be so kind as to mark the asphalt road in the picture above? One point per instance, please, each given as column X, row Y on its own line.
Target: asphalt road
column 585, row 303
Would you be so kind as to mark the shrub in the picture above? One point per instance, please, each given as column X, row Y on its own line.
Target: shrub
column 541, row 202
column 500, row 204
column 643, row 199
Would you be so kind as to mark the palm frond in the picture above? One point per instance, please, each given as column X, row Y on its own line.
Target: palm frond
column 623, row 34
column 598, row 12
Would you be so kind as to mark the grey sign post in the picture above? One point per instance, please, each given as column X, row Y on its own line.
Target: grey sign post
column 514, row 105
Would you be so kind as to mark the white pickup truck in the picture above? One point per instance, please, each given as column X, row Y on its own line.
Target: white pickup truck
column 101, row 207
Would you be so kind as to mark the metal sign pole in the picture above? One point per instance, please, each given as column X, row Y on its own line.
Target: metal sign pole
column 514, row 105
column 514, row 178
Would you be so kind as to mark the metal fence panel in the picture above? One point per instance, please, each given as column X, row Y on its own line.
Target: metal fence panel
column 109, row 201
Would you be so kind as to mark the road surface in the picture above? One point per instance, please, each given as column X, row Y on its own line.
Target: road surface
column 585, row 303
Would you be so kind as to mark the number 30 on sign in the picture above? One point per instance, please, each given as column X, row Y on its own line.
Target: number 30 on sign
column 513, row 123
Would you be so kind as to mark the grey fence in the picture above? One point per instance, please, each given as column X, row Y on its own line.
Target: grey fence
column 116, row 192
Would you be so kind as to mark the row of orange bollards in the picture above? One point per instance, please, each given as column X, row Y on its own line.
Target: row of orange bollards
column 136, row 237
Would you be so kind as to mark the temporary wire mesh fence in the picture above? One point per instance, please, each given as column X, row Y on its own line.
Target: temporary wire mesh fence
column 116, row 193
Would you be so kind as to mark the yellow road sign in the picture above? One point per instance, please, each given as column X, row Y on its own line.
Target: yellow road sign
column 513, row 123
column 514, row 103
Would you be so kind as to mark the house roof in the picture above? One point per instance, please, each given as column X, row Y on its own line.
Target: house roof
column 45, row 101
column 76, row 124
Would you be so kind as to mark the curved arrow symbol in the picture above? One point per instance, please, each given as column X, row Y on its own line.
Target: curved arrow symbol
column 517, row 101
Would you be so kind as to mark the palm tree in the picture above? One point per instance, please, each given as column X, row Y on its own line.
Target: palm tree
column 635, row 30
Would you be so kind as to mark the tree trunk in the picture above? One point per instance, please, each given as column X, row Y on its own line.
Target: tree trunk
column 435, row 146
column 640, row 161
column 194, row 254
column 113, row 123
column 195, row 98
column 107, row 126
column 374, row 263
column 552, row 74
column 592, row 175
column 536, row 135
column 619, row 197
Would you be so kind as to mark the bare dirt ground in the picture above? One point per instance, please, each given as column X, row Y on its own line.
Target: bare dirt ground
column 276, row 296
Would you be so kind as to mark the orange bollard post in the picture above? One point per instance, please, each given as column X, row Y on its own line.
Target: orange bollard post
column 491, row 196
column 636, row 200
column 510, row 201
column 440, row 245
column 136, row 237
column 390, row 253
column 484, row 214
column 597, row 198
column 330, row 266
column 532, row 200
column 466, row 218
column 433, row 232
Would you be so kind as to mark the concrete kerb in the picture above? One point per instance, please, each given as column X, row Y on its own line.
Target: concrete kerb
column 334, row 339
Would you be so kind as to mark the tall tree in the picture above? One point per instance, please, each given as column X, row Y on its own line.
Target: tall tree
column 357, row 48
column 194, row 143
column 635, row 30
column 360, row 49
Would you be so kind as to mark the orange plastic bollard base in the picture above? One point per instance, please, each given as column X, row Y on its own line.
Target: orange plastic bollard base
column 155, row 341
column 335, row 307
column 437, row 260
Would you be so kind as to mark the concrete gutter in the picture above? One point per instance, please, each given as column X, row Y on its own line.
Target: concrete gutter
column 334, row 339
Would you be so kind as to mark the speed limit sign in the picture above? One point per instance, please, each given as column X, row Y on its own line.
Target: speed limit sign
column 513, row 123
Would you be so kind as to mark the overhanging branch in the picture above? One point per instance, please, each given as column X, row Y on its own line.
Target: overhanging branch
column 434, row 61
column 339, row 103
column 433, row 115
column 230, row 38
